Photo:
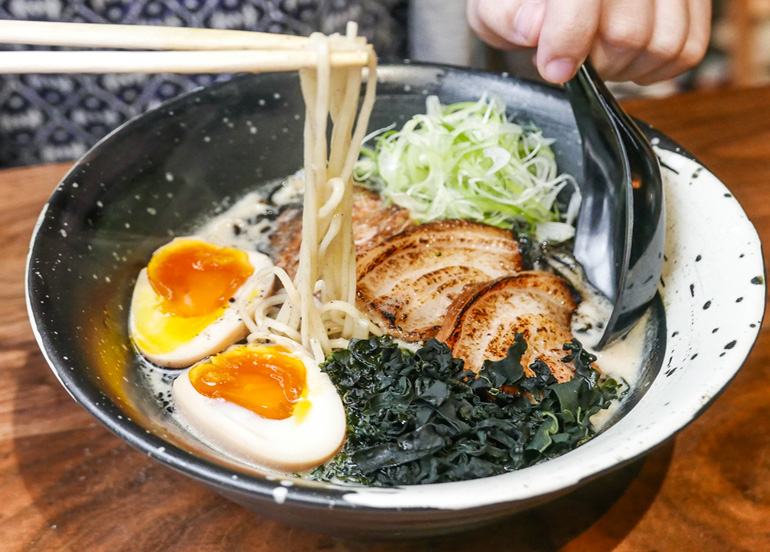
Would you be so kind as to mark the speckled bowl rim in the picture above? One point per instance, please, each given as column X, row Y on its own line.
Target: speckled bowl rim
column 716, row 362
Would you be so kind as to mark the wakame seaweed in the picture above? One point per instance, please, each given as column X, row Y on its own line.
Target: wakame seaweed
column 422, row 418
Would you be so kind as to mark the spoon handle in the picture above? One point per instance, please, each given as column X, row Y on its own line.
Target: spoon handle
column 621, row 225
column 602, row 240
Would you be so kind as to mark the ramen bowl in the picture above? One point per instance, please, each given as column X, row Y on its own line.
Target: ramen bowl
column 165, row 172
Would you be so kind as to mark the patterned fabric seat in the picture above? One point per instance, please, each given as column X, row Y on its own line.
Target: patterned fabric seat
column 50, row 118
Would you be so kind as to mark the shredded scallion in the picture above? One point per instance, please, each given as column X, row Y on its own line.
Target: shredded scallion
column 468, row 160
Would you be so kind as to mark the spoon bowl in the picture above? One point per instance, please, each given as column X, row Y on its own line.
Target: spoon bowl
column 620, row 231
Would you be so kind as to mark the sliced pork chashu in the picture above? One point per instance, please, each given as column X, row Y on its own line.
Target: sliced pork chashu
column 483, row 321
column 373, row 221
column 286, row 239
column 407, row 283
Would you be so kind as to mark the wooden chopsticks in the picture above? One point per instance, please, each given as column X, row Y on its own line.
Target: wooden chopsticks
column 216, row 61
column 180, row 50
column 140, row 37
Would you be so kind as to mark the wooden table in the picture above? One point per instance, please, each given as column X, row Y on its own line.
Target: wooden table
column 68, row 484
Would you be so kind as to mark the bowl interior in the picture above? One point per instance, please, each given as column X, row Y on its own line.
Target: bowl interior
column 162, row 174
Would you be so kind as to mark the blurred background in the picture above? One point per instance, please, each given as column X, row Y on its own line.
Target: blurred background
column 52, row 118
column 739, row 54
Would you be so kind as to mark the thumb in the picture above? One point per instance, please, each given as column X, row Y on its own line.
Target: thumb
column 567, row 36
column 507, row 24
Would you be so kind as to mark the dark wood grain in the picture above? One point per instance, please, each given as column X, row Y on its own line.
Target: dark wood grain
column 66, row 484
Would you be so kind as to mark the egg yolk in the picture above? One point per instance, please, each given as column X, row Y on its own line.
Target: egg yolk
column 195, row 278
column 268, row 380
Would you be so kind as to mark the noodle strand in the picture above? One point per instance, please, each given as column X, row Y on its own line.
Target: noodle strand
column 318, row 309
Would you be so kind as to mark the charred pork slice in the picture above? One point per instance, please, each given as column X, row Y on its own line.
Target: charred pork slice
column 373, row 221
column 286, row 239
column 483, row 321
column 407, row 283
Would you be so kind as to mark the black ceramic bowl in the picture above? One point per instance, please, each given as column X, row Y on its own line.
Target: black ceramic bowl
column 163, row 173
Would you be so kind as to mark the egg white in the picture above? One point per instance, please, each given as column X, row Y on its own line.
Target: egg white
column 225, row 330
column 294, row 444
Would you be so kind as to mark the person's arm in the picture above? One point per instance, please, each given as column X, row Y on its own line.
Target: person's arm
column 644, row 41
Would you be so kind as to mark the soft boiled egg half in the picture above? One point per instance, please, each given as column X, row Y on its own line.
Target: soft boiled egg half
column 267, row 404
column 184, row 305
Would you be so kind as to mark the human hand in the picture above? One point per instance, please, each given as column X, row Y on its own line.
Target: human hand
column 644, row 41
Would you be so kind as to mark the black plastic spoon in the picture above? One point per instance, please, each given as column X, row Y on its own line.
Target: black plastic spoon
column 621, row 225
